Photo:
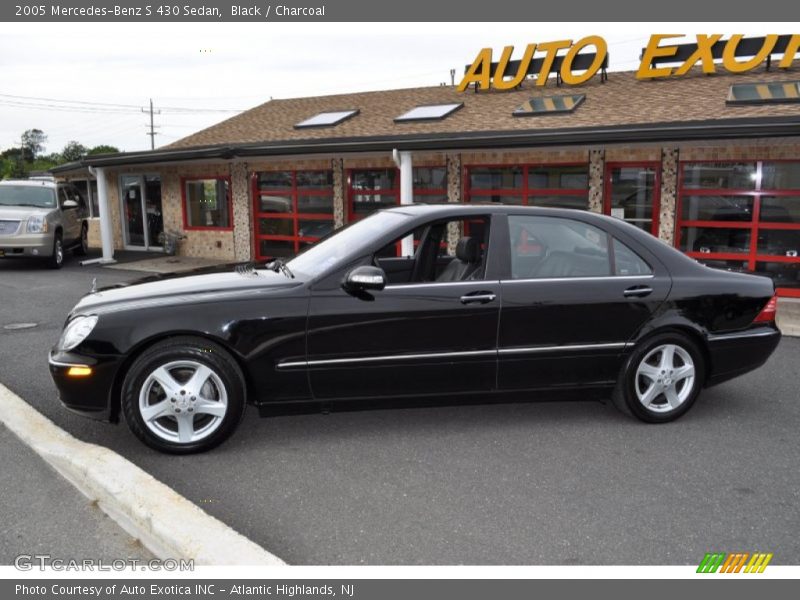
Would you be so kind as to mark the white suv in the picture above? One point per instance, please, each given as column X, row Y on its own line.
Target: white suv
column 42, row 219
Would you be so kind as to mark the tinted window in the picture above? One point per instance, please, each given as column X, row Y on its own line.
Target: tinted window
column 549, row 247
column 627, row 262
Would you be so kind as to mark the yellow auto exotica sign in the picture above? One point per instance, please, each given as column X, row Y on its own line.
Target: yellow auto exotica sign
column 487, row 75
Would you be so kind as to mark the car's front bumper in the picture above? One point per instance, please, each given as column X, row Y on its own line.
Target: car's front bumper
column 28, row 245
column 88, row 395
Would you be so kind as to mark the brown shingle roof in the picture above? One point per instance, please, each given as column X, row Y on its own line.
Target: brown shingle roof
column 621, row 100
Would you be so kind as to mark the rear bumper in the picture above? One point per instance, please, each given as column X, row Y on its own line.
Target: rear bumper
column 86, row 395
column 734, row 354
column 27, row 246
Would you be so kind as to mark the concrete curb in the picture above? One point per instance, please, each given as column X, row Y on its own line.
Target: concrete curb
column 164, row 521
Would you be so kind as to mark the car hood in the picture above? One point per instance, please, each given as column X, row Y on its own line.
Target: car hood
column 198, row 285
column 20, row 213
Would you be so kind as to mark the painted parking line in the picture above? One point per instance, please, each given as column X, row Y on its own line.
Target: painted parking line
column 168, row 525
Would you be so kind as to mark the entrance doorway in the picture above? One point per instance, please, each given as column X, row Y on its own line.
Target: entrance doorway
column 632, row 193
column 142, row 221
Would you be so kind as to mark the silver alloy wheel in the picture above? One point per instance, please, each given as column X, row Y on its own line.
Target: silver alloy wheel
column 665, row 378
column 59, row 251
column 183, row 401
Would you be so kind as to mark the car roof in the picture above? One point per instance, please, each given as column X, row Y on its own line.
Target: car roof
column 30, row 182
column 448, row 208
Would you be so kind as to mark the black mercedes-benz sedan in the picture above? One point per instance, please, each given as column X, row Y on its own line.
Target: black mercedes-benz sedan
column 411, row 305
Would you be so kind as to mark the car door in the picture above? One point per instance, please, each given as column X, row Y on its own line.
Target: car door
column 573, row 296
column 413, row 338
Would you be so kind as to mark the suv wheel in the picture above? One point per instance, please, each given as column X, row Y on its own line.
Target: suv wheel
column 83, row 247
column 56, row 259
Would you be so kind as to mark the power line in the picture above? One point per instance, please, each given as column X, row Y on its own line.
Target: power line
column 109, row 106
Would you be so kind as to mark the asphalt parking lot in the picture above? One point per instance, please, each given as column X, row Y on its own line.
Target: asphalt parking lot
column 539, row 483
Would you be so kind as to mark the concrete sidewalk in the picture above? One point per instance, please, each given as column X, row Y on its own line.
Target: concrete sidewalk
column 44, row 514
column 789, row 316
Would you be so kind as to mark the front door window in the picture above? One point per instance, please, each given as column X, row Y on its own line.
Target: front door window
column 142, row 221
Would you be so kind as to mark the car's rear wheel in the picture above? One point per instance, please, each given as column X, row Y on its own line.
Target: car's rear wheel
column 56, row 259
column 661, row 379
column 183, row 395
column 83, row 247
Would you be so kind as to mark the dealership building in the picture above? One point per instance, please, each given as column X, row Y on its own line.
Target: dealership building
column 709, row 163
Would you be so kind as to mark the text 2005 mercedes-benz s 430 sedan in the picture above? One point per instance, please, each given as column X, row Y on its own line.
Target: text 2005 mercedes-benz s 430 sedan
column 417, row 304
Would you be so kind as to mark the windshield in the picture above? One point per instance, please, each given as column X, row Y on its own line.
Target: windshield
column 27, row 195
column 332, row 249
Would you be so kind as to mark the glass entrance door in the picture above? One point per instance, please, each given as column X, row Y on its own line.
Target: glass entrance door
column 142, row 221
column 632, row 193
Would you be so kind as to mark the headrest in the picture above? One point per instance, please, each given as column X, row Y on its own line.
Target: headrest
column 468, row 250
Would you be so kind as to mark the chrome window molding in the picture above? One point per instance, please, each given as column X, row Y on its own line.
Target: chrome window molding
column 594, row 278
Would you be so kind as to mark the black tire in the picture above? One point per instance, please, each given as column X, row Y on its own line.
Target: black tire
column 56, row 259
column 161, row 433
column 631, row 383
column 83, row 245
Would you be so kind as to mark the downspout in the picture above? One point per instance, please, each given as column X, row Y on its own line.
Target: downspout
column 106, row 235
column 404, row 162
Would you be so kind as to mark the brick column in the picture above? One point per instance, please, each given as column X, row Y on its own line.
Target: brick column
column 242, row 212
column 454, row 187
column 597, row 167
column 669, row 194
column 339, row 183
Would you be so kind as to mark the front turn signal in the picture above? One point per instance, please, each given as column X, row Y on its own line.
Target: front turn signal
column 79, row 371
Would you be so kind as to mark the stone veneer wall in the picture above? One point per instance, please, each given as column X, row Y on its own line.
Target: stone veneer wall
column 339, row 184
column 668, row 194
column 242, row 212
column 454, row 187
column 597, row 165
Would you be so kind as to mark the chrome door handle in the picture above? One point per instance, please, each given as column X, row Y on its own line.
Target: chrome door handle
column 637, row 292
column 481, row 298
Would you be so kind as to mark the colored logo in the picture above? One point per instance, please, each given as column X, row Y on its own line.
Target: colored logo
column 737, row 562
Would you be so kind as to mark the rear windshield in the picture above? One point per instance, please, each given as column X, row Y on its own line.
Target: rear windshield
column 27, row 195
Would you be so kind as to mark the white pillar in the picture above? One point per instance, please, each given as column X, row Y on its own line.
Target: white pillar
column 106, row 231
column 406, row 165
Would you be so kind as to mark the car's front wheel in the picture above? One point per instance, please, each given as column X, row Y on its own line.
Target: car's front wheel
column 661, row 379
column 83, row 247
column 56, row 259
column 183, row 395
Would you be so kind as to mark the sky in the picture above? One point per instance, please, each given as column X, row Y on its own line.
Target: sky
column 88, row 82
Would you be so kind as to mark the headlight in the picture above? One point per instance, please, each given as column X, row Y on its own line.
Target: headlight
column 37, row 224
column 76, row 331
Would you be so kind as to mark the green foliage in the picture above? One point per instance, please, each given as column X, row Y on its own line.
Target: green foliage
column 14, row 164
column 103, row 149
column 73, row 151
column 33, row 141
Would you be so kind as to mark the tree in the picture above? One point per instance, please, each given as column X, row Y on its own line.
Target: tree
column 73, row 151
column 103, row 149
column 33, row 141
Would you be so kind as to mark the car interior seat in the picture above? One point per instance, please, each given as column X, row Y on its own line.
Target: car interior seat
column 466, row 262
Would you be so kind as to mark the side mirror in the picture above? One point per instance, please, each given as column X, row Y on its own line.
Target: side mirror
column 69, row 204
column 364, row 278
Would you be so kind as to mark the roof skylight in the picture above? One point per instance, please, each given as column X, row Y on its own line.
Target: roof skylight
column 764, row 93
column 547, row 105
column 429, row 112
column 327, row 119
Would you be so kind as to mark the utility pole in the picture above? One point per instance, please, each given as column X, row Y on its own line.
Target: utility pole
column 152, row 133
